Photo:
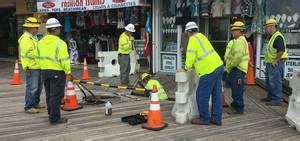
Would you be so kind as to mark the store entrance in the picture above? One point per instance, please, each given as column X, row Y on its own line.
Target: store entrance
column 8, row 32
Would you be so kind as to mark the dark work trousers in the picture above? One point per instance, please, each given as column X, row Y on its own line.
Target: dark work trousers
column 235, row 79
column 54, row 82
column 124, row 61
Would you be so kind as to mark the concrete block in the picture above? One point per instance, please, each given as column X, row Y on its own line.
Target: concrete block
column 293, row 113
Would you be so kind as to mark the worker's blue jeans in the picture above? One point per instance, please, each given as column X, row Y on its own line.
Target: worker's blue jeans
column 274, row 77
column 210, row 85
column 54, row 82
column 235, row 79
column 34, row 87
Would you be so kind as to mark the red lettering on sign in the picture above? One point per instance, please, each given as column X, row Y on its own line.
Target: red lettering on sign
column 119, row 1
column 94, row 2
column 48, row 4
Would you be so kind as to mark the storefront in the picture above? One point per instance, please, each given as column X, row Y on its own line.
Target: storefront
column 95, row 25
column 214, row 18
column 287, row 15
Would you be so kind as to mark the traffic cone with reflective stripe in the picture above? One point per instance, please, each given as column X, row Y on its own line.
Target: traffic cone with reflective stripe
column 71, row 102
column 16, row 76
column 224, row 103
column 155, row 119
column 85, row 74
column 250, row 80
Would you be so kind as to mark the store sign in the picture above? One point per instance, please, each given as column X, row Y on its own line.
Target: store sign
column 289, row 67
column 168, row 62
column 47, row 6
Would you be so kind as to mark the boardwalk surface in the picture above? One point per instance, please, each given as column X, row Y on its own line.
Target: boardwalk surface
column 259, row 122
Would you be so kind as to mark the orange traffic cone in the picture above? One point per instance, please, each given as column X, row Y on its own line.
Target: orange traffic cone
column 71, row 102
column 85, row 74
column 16, row 77
column 155, row 121
column 250, row 73
column 224, row 103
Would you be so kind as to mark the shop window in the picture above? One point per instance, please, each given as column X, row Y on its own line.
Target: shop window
column 168, row 27
column 219, row 34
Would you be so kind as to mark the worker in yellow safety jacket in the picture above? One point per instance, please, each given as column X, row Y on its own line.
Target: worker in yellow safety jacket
column 55, row 65
column 209, row 66
column 149, row 83
column 27, row 46
column 275, row 56
column 226, row 56
column 237, row 67
column 124, row 50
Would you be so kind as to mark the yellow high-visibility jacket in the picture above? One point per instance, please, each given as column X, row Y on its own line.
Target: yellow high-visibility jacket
column 238, row 56
column 27, row 47
column 201, row 55
column 53, row 54
column 125, row 44
column 271, row 52
column 161, row 92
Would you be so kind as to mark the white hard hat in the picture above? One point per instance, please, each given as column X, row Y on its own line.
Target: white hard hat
column 52, row 22
column 130, row 28
column 190, row 25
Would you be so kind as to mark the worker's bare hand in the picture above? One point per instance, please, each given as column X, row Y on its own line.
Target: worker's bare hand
column 69, row 77
column 180, row 70
column 274, row 63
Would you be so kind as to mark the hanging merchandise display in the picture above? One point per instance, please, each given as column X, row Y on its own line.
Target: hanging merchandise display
column 73, row 51
column 236, row 7
column 258, row 18
column 217, row 8
column 205, row 8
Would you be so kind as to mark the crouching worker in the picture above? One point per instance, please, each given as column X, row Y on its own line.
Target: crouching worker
column 148, row 83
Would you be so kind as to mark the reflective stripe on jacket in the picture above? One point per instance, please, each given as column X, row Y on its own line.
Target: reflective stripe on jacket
column 238, row 56
column 53, row 54
column 201, row 55
column 271, row 52
column 161, row 92
column 125, row 44
column 27, row 47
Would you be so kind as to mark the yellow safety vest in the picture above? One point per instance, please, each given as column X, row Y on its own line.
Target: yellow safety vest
column 228, row 48
column 53, row 54
column 271, row 52
column 161, row 92
column 27, row 47
column 201, row 54
column 238, row 56
column 125, row 44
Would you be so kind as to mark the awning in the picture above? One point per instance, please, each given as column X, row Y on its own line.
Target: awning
column 48, row 6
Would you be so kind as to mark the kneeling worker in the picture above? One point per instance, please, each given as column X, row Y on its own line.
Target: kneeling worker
column 149, row 83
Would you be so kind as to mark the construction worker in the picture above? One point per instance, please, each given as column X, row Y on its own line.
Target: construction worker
column 226, row 56
column 55, row 65
column 27, row 45
column 149, row 83
column 237, row 67
column 209, row 66
column 124, row 50
column 275, row 56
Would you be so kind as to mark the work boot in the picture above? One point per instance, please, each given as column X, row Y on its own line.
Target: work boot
column 39, row 106
column 232, row 111
column 266, row 100
column 218, row 123
column 32, row 111
column 198, row 121
column 273, row 103
column 60, row 121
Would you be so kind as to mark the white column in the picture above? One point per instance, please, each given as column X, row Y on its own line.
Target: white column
column 179, row 55
column 258, row 52
column 156, row 36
